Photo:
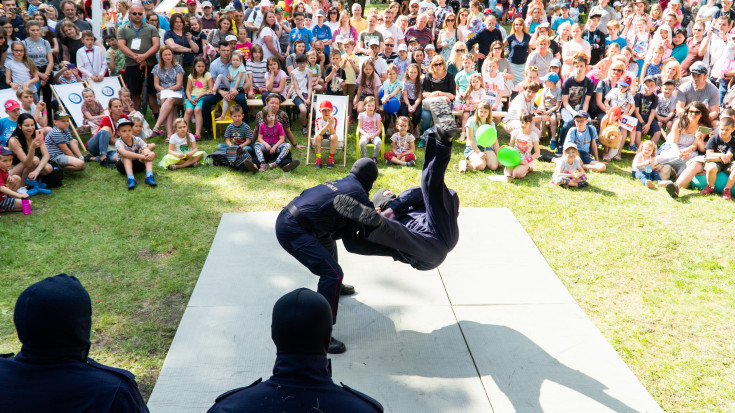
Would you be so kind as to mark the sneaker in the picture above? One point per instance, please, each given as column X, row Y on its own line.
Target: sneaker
column 650, row 184
column 445, row 124
column 726, row 194
column 291, row 165
column 108, row 163
column 318, row 163
column 273, row 165
column 150, row 181
column 707, row 190
column 421, row 143
column 87, row 157
column 583, row 184
column 304, row 131
column 250, row 166
column 673, row 189
column 632, row 148
column 552, row 145
column 330, row 163
column 263, row 167
column 410, row 163
column 131, row 184
column 351, row 208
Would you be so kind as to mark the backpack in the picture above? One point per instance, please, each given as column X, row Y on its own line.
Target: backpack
column 218, row 158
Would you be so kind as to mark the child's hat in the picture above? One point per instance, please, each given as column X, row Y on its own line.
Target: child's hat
column 123, row 121
column 429, row 47
column 60, row 114
column 568, row 145
column 402, row 48
column 649, row 78
column 624, row 81
column 670, row 82
column 555, row 63
column 373, row 42
column 617, row 4
column 552, row 76
column 11, row 104
column 5, row 151
column 231, row 38
column 326, row 105
column 582, row 114
column 413, row 40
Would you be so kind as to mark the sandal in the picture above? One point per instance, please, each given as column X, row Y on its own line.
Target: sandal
column 172, row 167
column 197, row 137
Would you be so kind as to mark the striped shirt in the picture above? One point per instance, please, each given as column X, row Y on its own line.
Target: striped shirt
column 55, row 138
column 258, row 71
column 424, row 36
column 239, row 134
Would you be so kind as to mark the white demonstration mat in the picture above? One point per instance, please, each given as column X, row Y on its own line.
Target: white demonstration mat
column 492, row 330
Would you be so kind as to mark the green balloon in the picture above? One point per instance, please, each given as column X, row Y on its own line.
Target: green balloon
column 486, row 136
column 509, row 157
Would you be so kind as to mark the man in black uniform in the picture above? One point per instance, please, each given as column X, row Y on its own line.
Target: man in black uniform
column 308, row 226
column 301, row 330
column 52, row 372
column 419, row 227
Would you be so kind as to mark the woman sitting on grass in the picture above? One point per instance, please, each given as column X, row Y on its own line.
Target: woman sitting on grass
column 182, row 148
column 31, row 156
column 99, row 145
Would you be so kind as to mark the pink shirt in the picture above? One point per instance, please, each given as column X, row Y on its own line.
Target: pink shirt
column 271, row 135
column 370, row 124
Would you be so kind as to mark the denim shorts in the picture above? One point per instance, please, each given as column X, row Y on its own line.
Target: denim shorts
column 586, row 158
column 468, row 150
column 61, row 160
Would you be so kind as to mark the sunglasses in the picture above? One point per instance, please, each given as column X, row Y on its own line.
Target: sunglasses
column 438, row 64
column 618, row 70
column 497, row 48
column 534, row 68
column 388, row 45
column 136, row 14
column 449, row 20
column 695, row 112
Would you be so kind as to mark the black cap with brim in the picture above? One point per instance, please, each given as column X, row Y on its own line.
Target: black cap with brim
column 61, row 115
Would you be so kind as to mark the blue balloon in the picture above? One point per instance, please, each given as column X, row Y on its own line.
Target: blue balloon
column 380, row 93
column 392, row 105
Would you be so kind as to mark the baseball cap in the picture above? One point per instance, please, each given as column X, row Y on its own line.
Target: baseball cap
column 414, row 2
column 568, row 145
column 670, row 82
column 188, row 2
column 552, row 77
column 229, row 8
column 402, row 48
column 11, row 104
column 412, row 40
column 207, row 4
column 320, row 13
column 544, row 24
column 555, row 63
column 698, row 68
column 373, row 42
column 649, row 78
column 582, row 114
column 326, row 105
column 617, row 4
column 625, row 81
column 429, row 47
column 123, row 121
column 595, row 14
column 565, row 6
column 339, row 39
column 487, row 11
column 231, row 38
column 279, row 9
column 264, row 3
column 5, row 151
column 61, row 115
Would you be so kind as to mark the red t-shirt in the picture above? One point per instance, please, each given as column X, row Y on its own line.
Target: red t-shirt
column 3, row 179
column 107, row 121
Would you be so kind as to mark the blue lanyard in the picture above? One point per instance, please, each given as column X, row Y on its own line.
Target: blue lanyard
column 91, row 62
column 137, row 32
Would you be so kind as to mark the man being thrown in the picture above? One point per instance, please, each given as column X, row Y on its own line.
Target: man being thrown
column 419, row 227
column 308, row 226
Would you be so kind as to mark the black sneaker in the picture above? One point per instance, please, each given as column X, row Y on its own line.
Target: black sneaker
column 250, row 166
column 443, row 120
column 583, row 184
column 347, row 289
column 673, row 189
column 87, row 157
column 291, row 165
column 108, row 163
column 351, row 208
column 336, row 346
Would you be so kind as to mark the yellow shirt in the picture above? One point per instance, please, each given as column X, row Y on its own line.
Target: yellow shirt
column 362, row 25
column 350, row 75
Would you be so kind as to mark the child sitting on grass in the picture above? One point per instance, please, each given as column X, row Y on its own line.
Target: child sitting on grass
column 92, row 110
column 643, row 164
column 326, row 128
column 369, row 129
column 239, row 133
column 182, row 148
column 402, row 145
column 569, row 171
column 478, row 157
column 585, row 137
column 62, row 148
column 526, row 141
column 272, row 144
column 9, row 184
column 720, row 150
column 135, row 155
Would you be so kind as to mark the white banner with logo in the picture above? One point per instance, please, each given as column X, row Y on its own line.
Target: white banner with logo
column 71, row 97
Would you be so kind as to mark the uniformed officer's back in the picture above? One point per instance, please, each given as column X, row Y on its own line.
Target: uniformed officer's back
column 52, row 372
column 301, row 381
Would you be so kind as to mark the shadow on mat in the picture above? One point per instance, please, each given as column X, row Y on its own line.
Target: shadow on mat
column 519, row 366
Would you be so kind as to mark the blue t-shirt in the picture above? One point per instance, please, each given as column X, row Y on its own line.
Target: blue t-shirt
column 322, row 33
column 582, row 139
column 620, row 40
column 7, row 127
column 558, row 22
column 301, row 34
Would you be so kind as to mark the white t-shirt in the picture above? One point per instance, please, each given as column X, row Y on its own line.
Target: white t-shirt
column 180, row 144
column 381, row 66
column 393, row 31
column 267, row 31
column 302, row 78
column 493, row 86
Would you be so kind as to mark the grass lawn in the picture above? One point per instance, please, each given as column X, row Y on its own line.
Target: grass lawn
column 655, row 274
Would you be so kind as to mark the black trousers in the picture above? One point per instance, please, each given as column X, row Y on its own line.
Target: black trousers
column 318, row 254
column 421, row 240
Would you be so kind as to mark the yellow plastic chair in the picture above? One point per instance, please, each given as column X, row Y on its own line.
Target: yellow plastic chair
column 382, row 148
column 223, row 123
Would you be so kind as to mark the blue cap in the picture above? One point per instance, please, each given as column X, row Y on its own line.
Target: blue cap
column 552, row 76
column 5, row 151
column 582, row 114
